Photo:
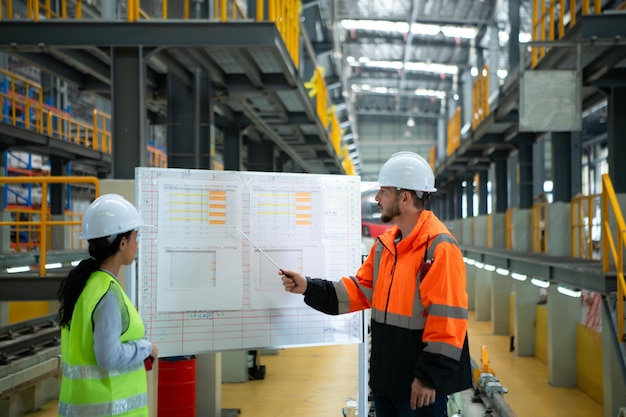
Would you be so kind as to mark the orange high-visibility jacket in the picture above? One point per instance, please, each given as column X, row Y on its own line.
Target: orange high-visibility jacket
column 419, row 323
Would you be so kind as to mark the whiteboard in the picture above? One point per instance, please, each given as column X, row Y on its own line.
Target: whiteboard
column 204, row 287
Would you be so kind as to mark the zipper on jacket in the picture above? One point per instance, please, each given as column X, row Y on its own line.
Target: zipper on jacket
column 393, row 270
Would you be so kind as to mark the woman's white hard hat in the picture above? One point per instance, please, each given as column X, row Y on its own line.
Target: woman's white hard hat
column 109, row 214
column 408, row 171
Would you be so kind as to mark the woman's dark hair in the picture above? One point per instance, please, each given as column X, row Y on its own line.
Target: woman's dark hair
column 72, row 286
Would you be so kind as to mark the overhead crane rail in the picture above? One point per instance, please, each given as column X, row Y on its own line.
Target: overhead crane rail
column 28, row 338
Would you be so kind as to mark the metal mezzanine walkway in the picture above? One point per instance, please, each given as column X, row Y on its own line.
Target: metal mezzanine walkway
column 254, row 80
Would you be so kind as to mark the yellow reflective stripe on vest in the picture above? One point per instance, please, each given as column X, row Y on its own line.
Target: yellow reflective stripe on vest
column 104, row 409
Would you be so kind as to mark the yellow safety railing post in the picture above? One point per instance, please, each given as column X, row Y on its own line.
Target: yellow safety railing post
column 260, row 10
column 44, row 223
column 617, row 251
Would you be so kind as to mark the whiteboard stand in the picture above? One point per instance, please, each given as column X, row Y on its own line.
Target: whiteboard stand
column 209, row 384
column 362, row 396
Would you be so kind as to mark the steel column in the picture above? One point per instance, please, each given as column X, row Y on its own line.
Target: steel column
column 261, row 156
column 514, row 21
column 562, row 167
column 525, row 156
column 501, row 186
column 180, row 125
column 483, row 177
column 58, row 193
column 469, row 196
column 616, row 127
column 128, row 98
column 232, row 148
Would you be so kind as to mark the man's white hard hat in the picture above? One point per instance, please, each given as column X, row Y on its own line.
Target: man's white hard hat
column 409, row 171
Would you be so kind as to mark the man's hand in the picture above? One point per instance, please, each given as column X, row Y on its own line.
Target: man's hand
column 292, row 281
column 421, row 395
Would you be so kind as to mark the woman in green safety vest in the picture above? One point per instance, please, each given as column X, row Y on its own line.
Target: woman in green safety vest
column 102, row 345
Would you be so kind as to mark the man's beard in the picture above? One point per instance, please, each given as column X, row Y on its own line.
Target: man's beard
column 387, row 215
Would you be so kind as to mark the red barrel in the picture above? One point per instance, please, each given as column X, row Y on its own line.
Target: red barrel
column 177, row 387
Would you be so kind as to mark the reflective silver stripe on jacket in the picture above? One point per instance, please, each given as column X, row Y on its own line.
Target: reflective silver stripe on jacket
column 442, row 310
column 93, row 371
column 344, row 299
column 444, row 349
column 104, row 409
column 377, row 254
column 417, row 322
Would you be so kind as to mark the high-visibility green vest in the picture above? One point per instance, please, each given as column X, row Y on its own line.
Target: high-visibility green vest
column 88, row 390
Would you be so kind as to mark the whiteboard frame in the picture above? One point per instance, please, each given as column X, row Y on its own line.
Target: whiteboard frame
column 344, row 329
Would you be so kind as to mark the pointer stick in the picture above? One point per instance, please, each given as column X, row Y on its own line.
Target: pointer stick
column 260, row 250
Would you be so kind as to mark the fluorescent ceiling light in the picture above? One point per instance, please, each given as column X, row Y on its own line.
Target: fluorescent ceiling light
column 16, row 269
column 422, row 92
column 568, row 292
column 479, row 265
column 519, row 277
column 423, row 29
column 540, row 283
column 379, row 25
column 502, row 271
column 524, row 37
column 409, row 66
column 490, row 268
column 55, row 265
column 458, row 32
column 469, row 261
column 74, row 263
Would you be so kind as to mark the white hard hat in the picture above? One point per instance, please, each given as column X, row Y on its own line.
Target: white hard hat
column 109, row 214
column 409, row 171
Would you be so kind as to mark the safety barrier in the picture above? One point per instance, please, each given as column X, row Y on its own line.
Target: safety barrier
column 586, row 226
column 156, row 157
column 616, row 246
column 508, row 228
column 549, row 21
column 22, row 106
column 480, row 97
column 43, row 224
column 538, row 229
column 454, row 131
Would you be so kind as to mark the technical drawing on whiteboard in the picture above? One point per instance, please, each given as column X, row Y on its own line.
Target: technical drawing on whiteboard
column 267, row 290
column 199, row 254
column 285, row 221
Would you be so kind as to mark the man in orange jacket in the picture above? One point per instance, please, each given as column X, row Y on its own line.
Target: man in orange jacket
column 414, row 283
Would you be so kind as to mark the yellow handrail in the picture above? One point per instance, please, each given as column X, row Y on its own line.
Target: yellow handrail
column 50, row 121
column 43, row 224
column 617, row 250
column 582, row 211
column 480, row 97
column 555, row 16
column 454, row 131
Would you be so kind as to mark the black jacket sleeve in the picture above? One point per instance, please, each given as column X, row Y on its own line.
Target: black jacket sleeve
column 445, row 374
column 321, row 295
